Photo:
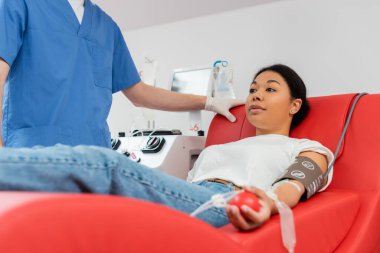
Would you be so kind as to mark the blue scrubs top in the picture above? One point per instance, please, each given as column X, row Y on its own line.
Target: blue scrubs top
column 62, row 74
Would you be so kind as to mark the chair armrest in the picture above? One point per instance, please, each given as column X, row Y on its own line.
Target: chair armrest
column 321, row 225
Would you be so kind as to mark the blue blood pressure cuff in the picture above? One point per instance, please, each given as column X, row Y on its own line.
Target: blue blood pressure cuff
column 307, row 172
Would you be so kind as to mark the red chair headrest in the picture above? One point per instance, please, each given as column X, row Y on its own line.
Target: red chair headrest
column 324, row 123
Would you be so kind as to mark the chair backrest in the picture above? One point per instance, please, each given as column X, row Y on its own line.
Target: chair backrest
column 324, row 123
column 358, row 168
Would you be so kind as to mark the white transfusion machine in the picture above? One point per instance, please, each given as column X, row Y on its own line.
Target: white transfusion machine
column 168, row 150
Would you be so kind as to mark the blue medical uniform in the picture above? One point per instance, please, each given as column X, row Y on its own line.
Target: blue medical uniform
column 62, row 73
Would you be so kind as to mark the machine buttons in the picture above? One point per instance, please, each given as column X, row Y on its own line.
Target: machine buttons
column 115, row 143
column 134, row 157
column 137, row 132
column 153, row 142
column 154, row 145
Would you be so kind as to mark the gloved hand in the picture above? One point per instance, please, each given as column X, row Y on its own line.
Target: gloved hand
column 222, row 106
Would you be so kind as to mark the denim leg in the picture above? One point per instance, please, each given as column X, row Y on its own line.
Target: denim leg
column 99, row 170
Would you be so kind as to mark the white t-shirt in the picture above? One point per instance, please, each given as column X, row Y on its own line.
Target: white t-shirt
column 256, row 161
column 78, row 7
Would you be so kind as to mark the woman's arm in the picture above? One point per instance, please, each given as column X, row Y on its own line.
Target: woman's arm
column 287, row 193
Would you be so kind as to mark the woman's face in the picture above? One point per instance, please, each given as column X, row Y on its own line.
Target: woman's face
column 269, row 106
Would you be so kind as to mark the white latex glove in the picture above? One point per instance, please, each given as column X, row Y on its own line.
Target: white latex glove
column 222, row 106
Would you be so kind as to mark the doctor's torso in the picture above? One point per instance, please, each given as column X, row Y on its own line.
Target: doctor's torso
column 59, row 89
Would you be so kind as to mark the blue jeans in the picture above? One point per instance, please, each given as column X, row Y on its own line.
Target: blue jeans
column 92, row 169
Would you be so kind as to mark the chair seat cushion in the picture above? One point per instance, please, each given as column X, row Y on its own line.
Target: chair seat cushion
column 42, row 222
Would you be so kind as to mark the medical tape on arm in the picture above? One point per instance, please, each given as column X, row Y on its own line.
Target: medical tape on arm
column 307, row 172
column 286, row 181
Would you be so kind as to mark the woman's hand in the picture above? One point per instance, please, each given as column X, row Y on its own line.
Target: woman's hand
column 253, row 219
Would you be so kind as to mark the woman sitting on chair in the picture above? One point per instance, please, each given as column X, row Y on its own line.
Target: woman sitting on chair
column 292, row 168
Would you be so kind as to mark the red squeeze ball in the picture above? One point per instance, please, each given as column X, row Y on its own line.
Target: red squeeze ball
column 246, row 198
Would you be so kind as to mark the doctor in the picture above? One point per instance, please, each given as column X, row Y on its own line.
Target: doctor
column 60, row 63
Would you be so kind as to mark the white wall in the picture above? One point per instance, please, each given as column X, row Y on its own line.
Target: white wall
column 333, row 44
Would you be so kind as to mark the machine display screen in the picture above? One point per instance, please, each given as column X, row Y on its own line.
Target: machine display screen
column 192, row 81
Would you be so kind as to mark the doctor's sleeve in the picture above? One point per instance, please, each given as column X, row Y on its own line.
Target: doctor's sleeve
column 13, row 16
column 124, row 72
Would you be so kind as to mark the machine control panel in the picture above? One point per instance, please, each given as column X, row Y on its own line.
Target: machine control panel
column 154, row 144
column 174, row 154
